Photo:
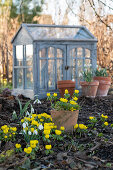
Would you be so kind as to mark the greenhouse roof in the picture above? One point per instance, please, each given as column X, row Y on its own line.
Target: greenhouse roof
column 56, row 32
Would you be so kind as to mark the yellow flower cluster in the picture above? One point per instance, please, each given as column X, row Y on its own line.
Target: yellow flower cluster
column 8, row 131
column 81, row 126
column 33, row 143
column 73, row 102
column 91, row 117
column 104, row 116
column 18, row 146
column 66, row 91
column 62, row 128
column 28, row 150
column 63, row 100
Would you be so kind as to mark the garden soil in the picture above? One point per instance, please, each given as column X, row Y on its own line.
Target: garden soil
column 71, row 153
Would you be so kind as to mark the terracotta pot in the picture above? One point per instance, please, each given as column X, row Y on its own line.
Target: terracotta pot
column 66, row 84
column 89, row 89
column 104, row 85
column 65, row 118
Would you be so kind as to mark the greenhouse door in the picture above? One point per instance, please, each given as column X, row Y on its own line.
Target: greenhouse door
column 79, row 57
column 51, row 67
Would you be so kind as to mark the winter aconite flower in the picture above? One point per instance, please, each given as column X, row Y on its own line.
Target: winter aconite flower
column 48, row 147
column 48, row 94
column 62, row 128
column 28, row 150
column 106, row 123
column 77, row 91
column 47, row 136
column 55, row 94
column 91, row 117
column 76, row 126
column 82, row 126
column 18, row 146
column 58, row 132
column 66, row 91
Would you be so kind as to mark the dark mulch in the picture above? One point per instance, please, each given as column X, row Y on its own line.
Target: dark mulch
column 71, row 153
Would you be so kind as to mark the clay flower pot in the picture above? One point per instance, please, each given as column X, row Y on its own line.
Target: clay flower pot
column 65, row 118
column 66, row 84
column 89, row 89
column 104, row 85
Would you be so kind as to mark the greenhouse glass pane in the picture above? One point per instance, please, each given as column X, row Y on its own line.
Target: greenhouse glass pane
column 19, row 55
column 79, row 52
column 59, row 70
column 43, row 74
column 29, row 55
column 51, row 74
column 42, row 53
column 28, row 78
column 88, row 63
column 59, row 53
column 87, row 53
column 51, row 52
column 19, row 77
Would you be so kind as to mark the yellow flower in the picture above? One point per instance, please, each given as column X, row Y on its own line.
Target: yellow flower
column 106, row 123
column 28, row 150
column 18, row 146
column 32, row 129
column 76, row 91
column 106, row 117
column 39, row 116
column 63, row 100
column 91, row 117
column 55, row 126
column 41, row 120
column 55, row 94
column 5, row 131
column 75, row 98
column 22, row 120
column 66, row 91
column 5, row 137
column 10, row 135
column 46, row 132
column 13, row 129
column 4, row 127
column 62, row 128
column 58, row 132
column 48, row 94
column 13, row 133
column 34, row 122
column 81, row 126
column 32, row 143
column 73, row 102
column 76, row 126
column 48, row 147
column 47, row 136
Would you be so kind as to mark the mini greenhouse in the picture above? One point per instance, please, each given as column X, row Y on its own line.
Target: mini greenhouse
column 45, row 54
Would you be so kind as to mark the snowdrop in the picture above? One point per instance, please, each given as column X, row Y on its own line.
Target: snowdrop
column 37, row 101
column 24, row 125
column 40, row 127
column 35, row 132
column 29, row 133
column 27, row 113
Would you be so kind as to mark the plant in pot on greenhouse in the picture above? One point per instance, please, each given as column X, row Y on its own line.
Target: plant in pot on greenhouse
column 89, row 86
column 104, row 81
column 64, row 110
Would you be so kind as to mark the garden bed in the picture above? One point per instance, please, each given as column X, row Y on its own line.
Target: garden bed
column 73, row 152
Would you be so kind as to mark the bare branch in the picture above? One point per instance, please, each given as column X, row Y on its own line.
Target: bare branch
column 99, row 15
column 106, row 4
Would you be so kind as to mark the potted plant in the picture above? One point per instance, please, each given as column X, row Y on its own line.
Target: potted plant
column 89, row 86
column 104, row 81
column 62, row 85
column 64, row 110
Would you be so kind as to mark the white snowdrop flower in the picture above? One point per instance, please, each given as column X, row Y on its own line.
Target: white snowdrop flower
column 32, row 110
column 40, row 127
column 27, row 113
column 29, row 133
column 35, row 132
column 24, row 125
column 37, row 101
column 24, row 131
